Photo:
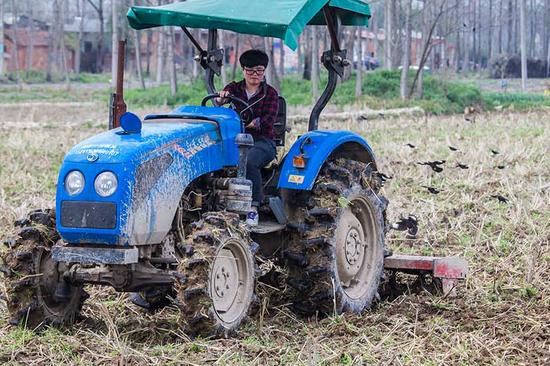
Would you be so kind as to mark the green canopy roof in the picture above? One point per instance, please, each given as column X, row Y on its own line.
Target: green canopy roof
column 284, row 19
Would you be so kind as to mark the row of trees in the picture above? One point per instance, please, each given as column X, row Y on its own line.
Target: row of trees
column 454, row 35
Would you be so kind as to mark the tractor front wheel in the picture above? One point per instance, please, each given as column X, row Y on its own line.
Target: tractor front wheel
column 336, row 256
column 217, row 282
column 32, row 277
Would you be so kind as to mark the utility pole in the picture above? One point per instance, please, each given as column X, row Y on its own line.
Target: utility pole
column 523, row 41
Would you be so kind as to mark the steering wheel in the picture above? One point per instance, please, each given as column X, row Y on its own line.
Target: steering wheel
column 244, row 115
column 230, row 97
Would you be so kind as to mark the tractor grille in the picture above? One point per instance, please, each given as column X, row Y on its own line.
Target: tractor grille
column 94, row 215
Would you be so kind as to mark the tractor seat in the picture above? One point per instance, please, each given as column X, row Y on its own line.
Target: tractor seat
column 279, row 126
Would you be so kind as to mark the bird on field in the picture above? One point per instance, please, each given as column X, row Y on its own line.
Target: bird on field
column 435, row 165
column 410, row 145
column 501, row 199
column 501, row 167
column 432, row 190
column 462, row 166
column 495, row 152
column 452, row 148
column 410, row 224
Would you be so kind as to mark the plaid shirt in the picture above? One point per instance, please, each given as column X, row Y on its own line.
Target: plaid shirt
column 263, row 112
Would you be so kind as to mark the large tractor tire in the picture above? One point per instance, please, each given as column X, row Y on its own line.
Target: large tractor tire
column 336, row 255
column 32, row 277
column 216, row 289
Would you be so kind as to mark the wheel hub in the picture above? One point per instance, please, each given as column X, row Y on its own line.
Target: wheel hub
column 225, row 280
column 354, row 246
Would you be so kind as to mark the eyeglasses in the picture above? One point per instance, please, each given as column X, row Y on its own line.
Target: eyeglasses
column 254, row 71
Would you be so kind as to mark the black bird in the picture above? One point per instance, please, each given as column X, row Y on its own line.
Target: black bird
column 383, row 177
column 410, row 145
column 432, row 190
column 462, row 166
column 410, row 224
column 500, row 198
column 501, row 166
column 495, row 152
column 435, row 165
column 452, row 148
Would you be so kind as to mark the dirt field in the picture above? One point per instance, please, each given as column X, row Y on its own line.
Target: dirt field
column 501, row 315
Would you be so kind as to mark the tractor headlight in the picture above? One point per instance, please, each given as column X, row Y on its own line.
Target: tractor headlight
column 105, row 184
column 74, row 183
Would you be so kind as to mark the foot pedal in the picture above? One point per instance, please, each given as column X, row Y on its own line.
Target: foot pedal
column 276, row 206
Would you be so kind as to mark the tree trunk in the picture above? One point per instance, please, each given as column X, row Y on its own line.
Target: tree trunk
column 2, row 46
column 509, row 47
column 406, row 52
column 171, row 62
column 160, row 55
column 30, row 34
column 388, row 32
column 467, row 39
column 350, row 46
column 490, row 37
column 360, row 64
column 306, row 75
column 500, row 25
column 523, row 37
column 137, row 46
column 276, row 82
column 314, row 64
column 62, row 45
column 546, row 34
column 114, row 44
column 299, row 54
column 221, row 40
column 236, row 56
column 15, row 52
column 81, row 11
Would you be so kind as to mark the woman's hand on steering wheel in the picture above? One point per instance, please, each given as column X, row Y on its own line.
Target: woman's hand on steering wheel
column 222, row 99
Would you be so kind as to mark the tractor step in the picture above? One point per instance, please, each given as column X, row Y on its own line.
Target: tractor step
column 447, row 269
column 266, row 227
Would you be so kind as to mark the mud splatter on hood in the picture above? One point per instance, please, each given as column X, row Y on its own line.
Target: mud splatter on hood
column 116, row 147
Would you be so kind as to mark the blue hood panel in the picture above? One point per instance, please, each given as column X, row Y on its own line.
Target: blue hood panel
column 153, row 169
column 114, row 146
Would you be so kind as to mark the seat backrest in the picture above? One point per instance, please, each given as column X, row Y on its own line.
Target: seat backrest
column 280, row 123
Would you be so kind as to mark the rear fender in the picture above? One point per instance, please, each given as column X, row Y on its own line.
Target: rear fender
column 317, row 147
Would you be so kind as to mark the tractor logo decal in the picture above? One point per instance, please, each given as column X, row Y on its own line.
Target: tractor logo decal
column 103, row 149
column 298, row 179
column 189, row 152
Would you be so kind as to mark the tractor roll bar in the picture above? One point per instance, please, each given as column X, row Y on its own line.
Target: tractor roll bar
column 334, row 61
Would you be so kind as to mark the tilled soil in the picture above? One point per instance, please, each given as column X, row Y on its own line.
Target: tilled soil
column 500, row 315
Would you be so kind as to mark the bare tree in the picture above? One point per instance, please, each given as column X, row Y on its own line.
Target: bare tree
column 360, row 65
column 389, row 5
column 81, row 6
column 2, row 37
column 160, row 55
column 15, row 52
column 137, row 46
column 99, row 9
column 221, row 39
column 406, row 52
column 523, row 37
column 30, row 36
column 171, row 63
column 236, row 56
column 314, row 64
column 114, row 47
column 62, row 47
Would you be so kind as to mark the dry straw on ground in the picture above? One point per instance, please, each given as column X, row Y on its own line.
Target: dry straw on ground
column 501, row 315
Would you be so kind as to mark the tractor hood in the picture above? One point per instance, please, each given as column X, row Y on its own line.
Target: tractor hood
column 115, row 146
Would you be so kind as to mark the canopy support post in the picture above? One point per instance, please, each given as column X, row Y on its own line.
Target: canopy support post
column 334, row 61
column 211, row 59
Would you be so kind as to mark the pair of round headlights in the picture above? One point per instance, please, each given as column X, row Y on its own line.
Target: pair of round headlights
column 105, row 184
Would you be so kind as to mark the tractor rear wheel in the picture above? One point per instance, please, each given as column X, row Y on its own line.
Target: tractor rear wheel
column 336, row 255
column 216, row 289
column 32, row 277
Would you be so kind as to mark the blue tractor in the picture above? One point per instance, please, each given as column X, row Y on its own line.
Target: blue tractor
column 156, row 207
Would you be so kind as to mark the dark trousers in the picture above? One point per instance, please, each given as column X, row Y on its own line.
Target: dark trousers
column 259, row 156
